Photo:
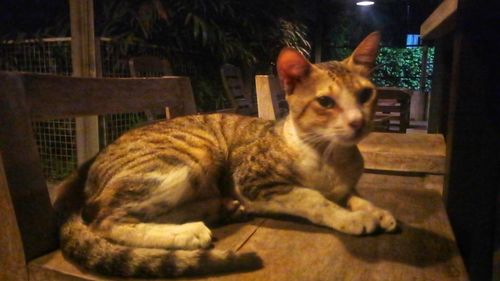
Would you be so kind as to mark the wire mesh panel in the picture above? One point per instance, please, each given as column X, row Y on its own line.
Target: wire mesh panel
column 115, row 63
column 51, row 55
column 113, row 126
column 56, row 139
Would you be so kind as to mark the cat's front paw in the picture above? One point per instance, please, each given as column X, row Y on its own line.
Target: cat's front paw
column 358, row 223
column 386, row 220
column 193, row 236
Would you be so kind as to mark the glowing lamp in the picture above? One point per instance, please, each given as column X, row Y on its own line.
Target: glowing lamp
column 365, row 3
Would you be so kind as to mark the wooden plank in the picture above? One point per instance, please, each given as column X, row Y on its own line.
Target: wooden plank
column 56, row 96
column 441, row 21
column 423, row 250
column 417, row 153
column 27, row 186
column 12, row 259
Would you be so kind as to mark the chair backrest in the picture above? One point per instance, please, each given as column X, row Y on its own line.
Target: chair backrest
column 271, row 101
column 149, row 66
column 26, row 97
column 393, row 104
column 239, row 98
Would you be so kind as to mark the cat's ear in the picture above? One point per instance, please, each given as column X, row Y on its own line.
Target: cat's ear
column 362, row 60
column 292, row 68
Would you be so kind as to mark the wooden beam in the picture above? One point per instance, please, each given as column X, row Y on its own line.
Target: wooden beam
column 53, row 96
column 441, row 21
column 84, row 62
column 34, row 212
column 83, row 49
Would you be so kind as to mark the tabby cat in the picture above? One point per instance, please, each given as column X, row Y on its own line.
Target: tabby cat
column 140, row 208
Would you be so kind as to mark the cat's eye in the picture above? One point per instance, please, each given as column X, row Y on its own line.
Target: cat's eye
column 365, row 95
column 326, row 101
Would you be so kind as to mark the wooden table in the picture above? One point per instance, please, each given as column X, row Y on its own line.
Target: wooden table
column 424, row 248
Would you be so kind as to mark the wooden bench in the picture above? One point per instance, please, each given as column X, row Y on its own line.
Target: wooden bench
column 292, row 249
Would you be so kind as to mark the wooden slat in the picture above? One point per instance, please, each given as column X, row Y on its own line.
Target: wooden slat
column 441, row 21
column 266, row 89
column 414, row 153
column 27, row 186
column 55, row 96
column 12, row 260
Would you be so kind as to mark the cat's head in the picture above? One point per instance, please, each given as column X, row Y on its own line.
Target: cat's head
column 334, row 101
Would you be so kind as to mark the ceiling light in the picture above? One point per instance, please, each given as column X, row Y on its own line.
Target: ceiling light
column 365, row 3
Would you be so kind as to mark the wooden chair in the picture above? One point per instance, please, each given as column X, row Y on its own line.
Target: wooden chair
column 291, row 249
column 241, row 100
column 27, row 222
column 393, row 109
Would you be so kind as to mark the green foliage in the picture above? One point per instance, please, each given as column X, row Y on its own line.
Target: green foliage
column 402, row 67
column 397, row 67
column 246, row 33
column 240, row 31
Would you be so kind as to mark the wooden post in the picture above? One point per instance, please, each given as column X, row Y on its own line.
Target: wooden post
column 318, row 31
column 473, row 136
column 84, row 62
column 423, row 79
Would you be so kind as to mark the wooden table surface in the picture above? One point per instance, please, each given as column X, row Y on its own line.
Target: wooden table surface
column 423, row 249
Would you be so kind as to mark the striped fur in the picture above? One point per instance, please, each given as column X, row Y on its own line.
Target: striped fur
column 141, row 207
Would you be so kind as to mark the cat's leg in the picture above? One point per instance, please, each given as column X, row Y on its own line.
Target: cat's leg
column 165, row 236
column 386, row 219
column 181, row 228
column 311, row 205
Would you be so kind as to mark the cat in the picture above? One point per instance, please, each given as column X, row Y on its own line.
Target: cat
column 141, row 207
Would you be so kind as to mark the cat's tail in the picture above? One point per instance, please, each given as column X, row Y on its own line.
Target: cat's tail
column 97, row 254
column 81, row 244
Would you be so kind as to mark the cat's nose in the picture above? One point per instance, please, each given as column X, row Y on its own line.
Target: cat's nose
column 356, row 124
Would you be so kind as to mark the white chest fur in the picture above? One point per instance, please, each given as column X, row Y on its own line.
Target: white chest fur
column 334, row 175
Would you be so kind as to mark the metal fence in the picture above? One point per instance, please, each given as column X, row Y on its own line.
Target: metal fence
column 56, row 139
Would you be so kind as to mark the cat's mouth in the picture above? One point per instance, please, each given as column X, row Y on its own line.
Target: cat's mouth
column 352, row 137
